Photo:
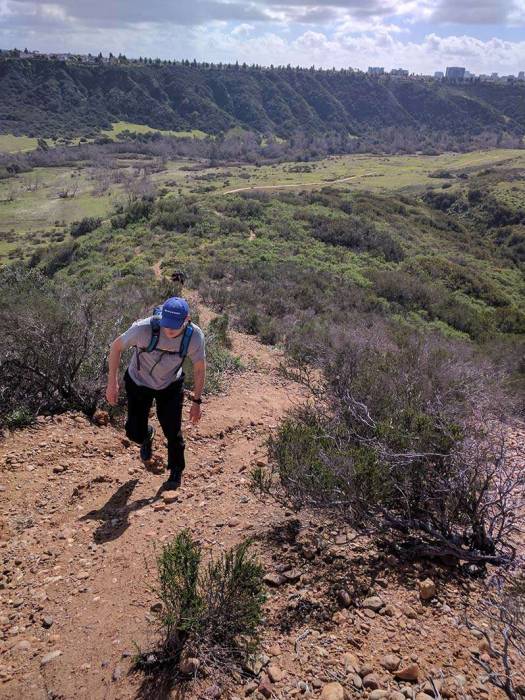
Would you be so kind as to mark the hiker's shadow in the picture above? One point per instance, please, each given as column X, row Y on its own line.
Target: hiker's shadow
column 114, row 515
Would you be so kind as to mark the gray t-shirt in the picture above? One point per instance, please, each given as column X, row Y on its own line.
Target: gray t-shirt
column 158, row 370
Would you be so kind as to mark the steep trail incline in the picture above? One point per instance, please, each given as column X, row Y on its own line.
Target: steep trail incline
column 81, row 517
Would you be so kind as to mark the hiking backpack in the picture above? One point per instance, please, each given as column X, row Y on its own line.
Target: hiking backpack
column 154, row 341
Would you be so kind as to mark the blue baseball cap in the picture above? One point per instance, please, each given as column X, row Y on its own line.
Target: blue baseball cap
column 174, row 312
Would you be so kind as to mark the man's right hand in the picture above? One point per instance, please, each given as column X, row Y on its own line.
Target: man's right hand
column 112, row 390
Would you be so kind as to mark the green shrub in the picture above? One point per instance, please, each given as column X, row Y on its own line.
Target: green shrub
column 178, row 572
column 210, row 612
column 440, row 200
column 177, row 214
column 351, row 232
column 54, row 348
column 85, row 225
column 19, row 418
column 137, row 210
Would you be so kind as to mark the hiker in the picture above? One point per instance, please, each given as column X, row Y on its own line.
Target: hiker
column 161, row 343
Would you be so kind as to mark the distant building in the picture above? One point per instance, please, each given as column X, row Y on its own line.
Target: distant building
column 455, row 73
column 399, row 73
column 439, row 75
column 375, row 70
column 521, row 75
column 494, row 76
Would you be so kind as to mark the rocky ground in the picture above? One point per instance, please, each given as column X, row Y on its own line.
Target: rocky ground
column 80, row 519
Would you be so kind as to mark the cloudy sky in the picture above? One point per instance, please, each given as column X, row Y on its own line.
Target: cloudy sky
column 421, row 35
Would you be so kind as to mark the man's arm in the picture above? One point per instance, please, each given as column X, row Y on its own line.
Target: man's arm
column 199, row 377
column 112, row 388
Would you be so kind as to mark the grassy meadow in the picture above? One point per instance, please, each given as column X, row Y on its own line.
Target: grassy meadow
column 403, row 230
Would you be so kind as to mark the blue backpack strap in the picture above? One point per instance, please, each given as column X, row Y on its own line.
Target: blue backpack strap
column 155, row 334
column 185, row 342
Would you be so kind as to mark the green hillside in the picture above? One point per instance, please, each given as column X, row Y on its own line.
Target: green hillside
column 50, row 98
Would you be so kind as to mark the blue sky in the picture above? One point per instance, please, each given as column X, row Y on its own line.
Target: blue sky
column 423, row 36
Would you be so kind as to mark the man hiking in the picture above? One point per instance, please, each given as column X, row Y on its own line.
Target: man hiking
column 161, row 343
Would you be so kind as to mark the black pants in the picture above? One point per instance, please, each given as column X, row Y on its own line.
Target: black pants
column 169, row 412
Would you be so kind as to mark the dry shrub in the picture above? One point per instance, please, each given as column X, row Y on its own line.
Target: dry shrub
column 408, row 431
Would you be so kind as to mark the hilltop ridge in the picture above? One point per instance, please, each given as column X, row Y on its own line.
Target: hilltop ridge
column 46, row 97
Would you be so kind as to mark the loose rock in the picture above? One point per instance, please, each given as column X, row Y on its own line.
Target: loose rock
column 275, row 674
column 50, row 657
column 408, row 673
column 390, row 662
column 373, row 603
column 333, row 691
column 371, row 681
column 427, row 589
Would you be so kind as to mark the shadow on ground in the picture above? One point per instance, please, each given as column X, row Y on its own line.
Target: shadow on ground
column 114, row 515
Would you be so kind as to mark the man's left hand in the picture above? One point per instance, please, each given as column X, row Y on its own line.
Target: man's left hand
column 195, row 412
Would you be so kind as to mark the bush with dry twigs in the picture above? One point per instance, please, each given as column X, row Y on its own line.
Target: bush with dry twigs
column 407, row 432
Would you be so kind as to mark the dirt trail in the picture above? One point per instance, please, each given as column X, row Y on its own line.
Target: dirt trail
column 79, row 521
column 303, row 185
column 81, row 517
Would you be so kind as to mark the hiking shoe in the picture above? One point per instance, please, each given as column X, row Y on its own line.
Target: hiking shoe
column 174, row 482
column 146, row 449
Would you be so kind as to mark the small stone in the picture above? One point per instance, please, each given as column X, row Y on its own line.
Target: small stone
column 390, row 662
column 50, row 657
column 344, row 599
column 265, row 687
column 408, row 673
column 356, row 681
column 292, row 576
column 117, row 674
column 156, row 607
column 373, row 603
column 396, row 695
column 23, row 645
column 424, row 696
column 351, row 662
column 170, row 496
column 365, row 669
column 47, row 621
column 256, row 664
column 332, row 691
column 410, row 613
column 275, row 674
column 250, row 688
column 427, row 589
column 378, row 694
column 371, row 681
column 101, row 418
column 213, row 692
column 274, row 580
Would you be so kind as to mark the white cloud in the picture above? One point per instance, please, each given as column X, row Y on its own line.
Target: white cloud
column 243, row 29
column 342, row 33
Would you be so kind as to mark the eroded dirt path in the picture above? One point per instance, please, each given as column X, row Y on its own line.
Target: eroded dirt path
column 81, row 517
column 296, row 185
column 79, row 522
